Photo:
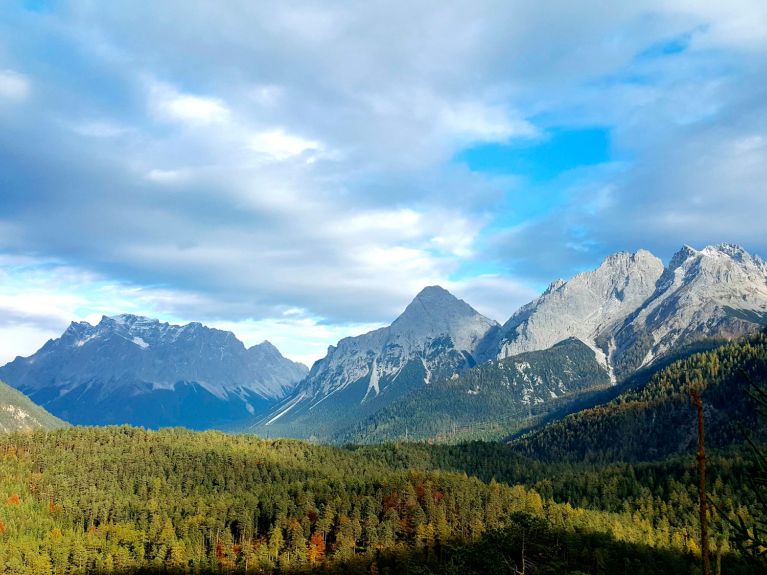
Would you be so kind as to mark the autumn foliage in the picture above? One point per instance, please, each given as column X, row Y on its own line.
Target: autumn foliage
column 13, row 500
column 316, row 548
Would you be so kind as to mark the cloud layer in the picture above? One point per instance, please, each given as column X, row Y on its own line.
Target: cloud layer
column 293, row 171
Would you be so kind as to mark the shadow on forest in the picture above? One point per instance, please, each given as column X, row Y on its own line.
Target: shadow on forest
column 528, row 546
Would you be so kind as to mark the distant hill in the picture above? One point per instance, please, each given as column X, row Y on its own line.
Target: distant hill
column 19, row 413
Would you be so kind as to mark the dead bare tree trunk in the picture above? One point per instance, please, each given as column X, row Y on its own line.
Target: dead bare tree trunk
column 702, row 484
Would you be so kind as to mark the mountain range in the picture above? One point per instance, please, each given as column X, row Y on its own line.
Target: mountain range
column 629, row 312
column 130, row 369
column 440, row 365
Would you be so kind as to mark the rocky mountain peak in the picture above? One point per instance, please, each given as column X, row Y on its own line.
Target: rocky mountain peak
column 437, row 335
column 554, row 286
column 586, row 307
column 720, row 290
column 435, row 305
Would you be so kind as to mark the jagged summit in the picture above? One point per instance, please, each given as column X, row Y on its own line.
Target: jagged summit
column 631, row 309
column 719, row 291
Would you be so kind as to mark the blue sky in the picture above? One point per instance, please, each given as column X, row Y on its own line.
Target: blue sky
column 291, row 173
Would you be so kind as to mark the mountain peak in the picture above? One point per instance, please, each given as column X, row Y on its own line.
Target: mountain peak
column 435, row 294
column 266, row 346
column 587, row 306
column 435, row 305
column 732, row 251
column 712, row 253
column 554, row 286
column 685, row 253
column 127, row 318
column 624, row 259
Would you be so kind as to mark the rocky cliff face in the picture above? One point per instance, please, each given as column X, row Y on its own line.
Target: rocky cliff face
column 590, row 307
column 632, row 310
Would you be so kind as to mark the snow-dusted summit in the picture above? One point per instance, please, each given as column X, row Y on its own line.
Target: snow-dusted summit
column 132, row 369
column 719, row 291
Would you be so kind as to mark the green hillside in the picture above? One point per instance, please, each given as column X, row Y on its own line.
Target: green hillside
column 19, row 413
column 657, row 419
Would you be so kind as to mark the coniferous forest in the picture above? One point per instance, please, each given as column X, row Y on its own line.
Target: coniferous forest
column 127, row 500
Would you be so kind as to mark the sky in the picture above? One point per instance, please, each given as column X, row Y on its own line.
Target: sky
column 298, row 171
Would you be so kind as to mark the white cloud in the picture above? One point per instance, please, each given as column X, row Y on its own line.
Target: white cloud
column 493, row 295
column 473, row 122
column 99, row 129
column 167, row 176
column 169, row 104
column 279, row 145
column 313, row 158
column 13, row 85
column 22, row 340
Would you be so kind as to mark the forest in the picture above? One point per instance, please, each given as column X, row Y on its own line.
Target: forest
column 127, row 500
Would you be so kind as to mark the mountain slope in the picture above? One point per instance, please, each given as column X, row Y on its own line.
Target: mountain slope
column 486, row 402
column 657, row 419
column 19, row 413
column 130, row 369
column 437, row 335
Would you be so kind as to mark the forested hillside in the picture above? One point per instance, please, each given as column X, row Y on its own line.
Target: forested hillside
column 656, row 420
column 19, row 413
column 89, row 500
column 489, row 401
